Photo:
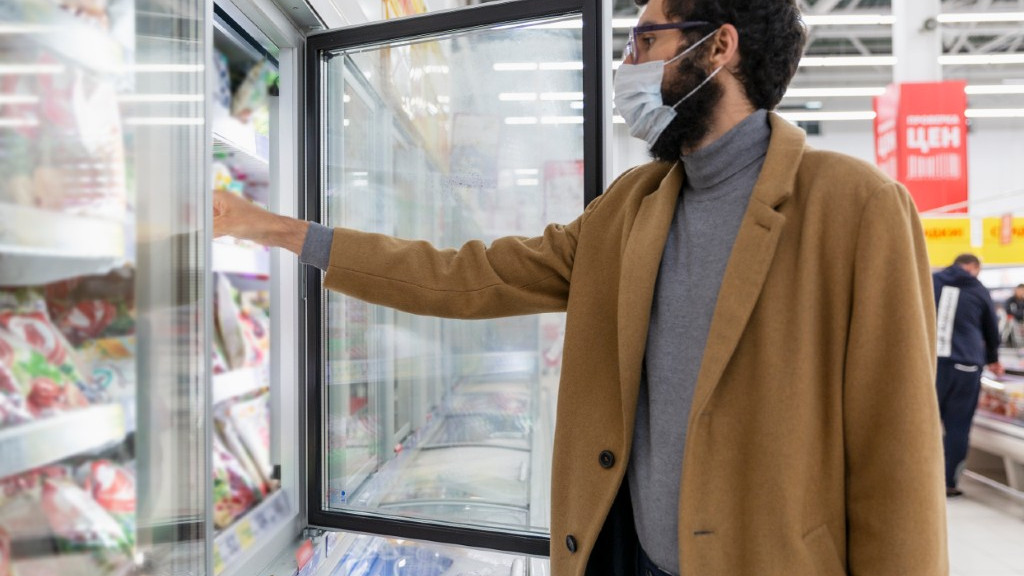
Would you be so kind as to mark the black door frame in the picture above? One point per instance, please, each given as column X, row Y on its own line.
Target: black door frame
column 318, row 48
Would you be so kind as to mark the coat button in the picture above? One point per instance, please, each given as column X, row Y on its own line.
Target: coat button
column 607, row 459
column 570, row 543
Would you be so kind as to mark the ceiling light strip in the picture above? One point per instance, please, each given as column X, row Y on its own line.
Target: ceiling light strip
column 870, row 114
column 980, row 59
column 841, row 61
column 995, row 113
column 868, row 91
column 849, row 19
column 967, row 18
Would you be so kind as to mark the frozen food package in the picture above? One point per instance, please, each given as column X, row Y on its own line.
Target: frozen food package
column 79, row 522
column 234, row 491
column 222, row 88
column 92, row 307
column 79, row 148
column 222, row 177
column 218, row 363
column 256, row 328
column 110, row 366
column 13, row 403
column 251, row 419
column 112, row 486
column 385, row 557
column 228, row 325
column 249, row 102
column 233, row 442
column 41, row 360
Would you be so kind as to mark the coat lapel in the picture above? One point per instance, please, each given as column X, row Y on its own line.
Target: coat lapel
column 640, row 263
column 751, row 256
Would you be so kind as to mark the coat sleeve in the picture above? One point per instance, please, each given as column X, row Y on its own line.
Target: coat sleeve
column 895, row 497
column 990, row 329
column 512, row 276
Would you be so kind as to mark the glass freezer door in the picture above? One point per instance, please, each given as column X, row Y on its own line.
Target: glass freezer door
column 104, row 302
column 469, row 124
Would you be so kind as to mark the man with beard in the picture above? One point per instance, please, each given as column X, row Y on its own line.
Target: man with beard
column 748, row 368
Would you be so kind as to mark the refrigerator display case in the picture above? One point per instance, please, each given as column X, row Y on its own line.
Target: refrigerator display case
column 170, row 403
column 103, row 301
column 998, row 430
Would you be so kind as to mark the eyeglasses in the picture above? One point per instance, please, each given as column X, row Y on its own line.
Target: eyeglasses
column 635, row 50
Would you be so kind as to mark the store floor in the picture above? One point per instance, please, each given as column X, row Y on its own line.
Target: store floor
column 986, row 530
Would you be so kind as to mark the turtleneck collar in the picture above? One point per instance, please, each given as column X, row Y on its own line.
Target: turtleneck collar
column 715, row 163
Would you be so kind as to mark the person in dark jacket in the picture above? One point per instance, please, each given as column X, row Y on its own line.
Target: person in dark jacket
column 1015, row 305
column 967, row 339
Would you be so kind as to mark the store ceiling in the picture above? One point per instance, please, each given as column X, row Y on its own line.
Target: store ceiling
column 876, row 40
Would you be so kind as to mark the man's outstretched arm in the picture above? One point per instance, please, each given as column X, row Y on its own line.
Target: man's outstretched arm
column 238, row 217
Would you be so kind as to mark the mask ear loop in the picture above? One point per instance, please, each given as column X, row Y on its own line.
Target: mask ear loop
column 692, row 47
column 699, row 86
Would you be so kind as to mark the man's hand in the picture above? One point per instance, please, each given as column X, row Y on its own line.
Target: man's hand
column 996, row 368
column 238, row 217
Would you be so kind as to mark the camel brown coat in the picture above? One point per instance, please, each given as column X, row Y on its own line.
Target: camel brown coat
column 813, row 443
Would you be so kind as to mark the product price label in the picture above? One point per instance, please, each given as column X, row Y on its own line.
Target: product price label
column 242, row 536
column 230, row 546
column 245, row 536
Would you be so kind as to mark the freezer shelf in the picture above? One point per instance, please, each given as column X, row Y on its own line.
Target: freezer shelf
column 251, row 531
column 348, row 554
column 240, row 259
column 501, row 430
column 240, row 141
column 41, row 442
column 490, row 475
column 42, row 246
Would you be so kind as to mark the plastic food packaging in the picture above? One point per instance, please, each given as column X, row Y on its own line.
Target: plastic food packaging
column 41, row 360
column 228, row 324
column 78, row 521
column 249, row 103
column 251, row 419
column 13, row 404
column 110, row 364
column 233, row 441
column 234, row 491
column 256, row 329
column 113, row 487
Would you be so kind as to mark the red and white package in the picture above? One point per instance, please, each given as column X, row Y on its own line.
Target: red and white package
column 113, row 487
column 43, row 363
column 251, row 419
column 88, row 319
column 234, row 491
column 78, row 521
column 228, row 325
column 13, row 404
column 40, row 387
column 233, row 441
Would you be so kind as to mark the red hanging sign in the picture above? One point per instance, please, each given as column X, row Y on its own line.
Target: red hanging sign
column 921, row 141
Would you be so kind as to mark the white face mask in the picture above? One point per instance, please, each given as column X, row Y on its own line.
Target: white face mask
column 638, row 95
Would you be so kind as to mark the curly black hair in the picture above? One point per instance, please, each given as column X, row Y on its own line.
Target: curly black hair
column 772, row 37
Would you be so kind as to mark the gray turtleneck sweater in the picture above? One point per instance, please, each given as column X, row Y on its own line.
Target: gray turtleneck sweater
column 719, row 181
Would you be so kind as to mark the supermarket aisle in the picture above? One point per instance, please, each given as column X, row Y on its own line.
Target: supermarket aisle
column 986, row 530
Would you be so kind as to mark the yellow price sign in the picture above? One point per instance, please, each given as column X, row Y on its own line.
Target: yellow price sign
column 946, row 238
column 244, row 532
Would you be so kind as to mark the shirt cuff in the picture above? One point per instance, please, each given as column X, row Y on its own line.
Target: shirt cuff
column 316, row 248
